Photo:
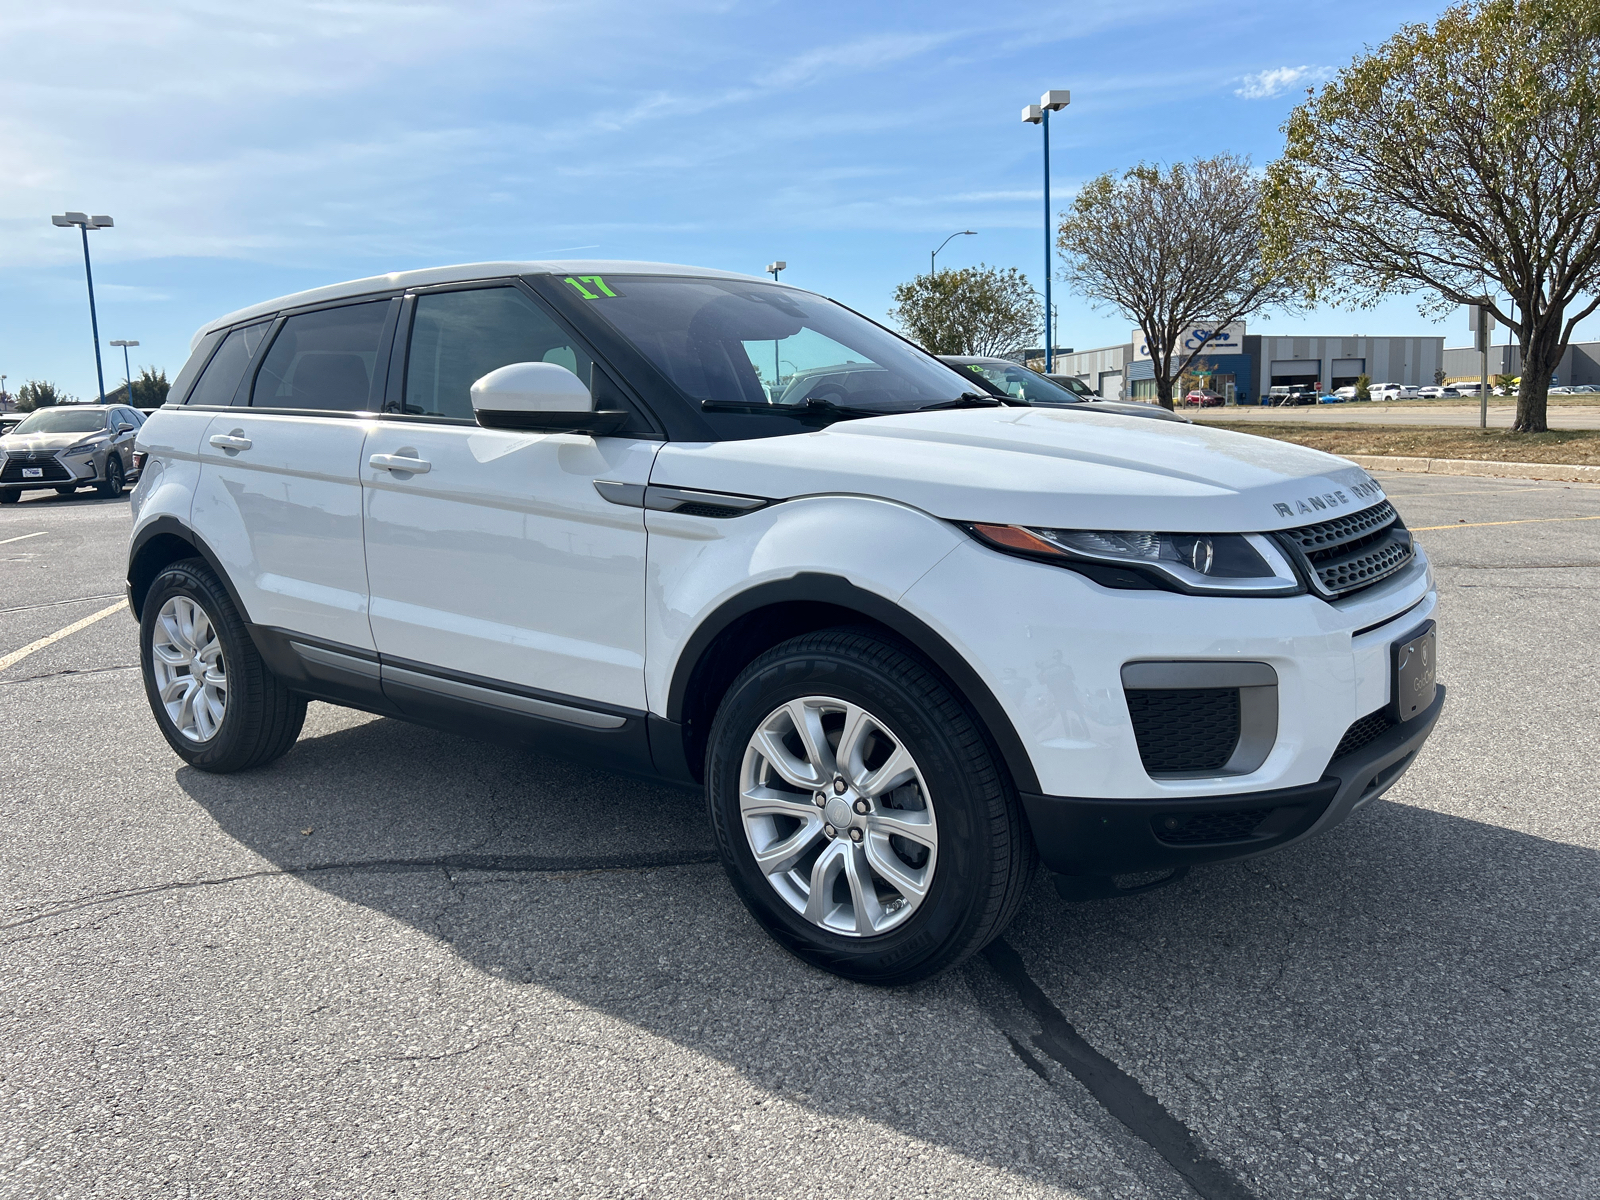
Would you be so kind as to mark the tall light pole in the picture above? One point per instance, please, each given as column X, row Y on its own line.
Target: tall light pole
column 84, row 224
column 1039, row 114
column 933, row 257
column 127, row 371
column 773, row 268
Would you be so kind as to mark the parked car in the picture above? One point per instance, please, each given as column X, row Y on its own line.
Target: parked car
column 1204, row 398
column 1392, row 391
column 1289, row 394
column 1008, row 381
column 69, row 446
column 1330, row 398
column 1346, row 393
column 907, row 637
column 1433, row 392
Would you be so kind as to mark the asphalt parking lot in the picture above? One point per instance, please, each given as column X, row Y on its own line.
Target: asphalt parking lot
column 397, row 962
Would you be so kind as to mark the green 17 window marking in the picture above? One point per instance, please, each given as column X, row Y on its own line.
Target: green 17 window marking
column 602, row 289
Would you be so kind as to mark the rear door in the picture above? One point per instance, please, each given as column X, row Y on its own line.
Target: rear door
column 497, row 561
column 279, row 497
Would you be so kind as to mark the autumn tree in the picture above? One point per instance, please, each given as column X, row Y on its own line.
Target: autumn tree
column 978, row 310
column 1458, row 160
column 1171, row 249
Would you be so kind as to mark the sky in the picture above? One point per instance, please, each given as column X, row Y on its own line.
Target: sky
column 247, row 151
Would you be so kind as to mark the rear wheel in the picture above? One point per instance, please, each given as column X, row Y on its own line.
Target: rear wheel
column 113, row 483
column 860, row 812
column 216, row 702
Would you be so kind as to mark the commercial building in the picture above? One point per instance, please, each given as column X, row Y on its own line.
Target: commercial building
column 1248, row 365
column 1579, row 365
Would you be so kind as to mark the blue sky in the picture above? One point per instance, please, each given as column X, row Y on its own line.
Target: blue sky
column 247, row 151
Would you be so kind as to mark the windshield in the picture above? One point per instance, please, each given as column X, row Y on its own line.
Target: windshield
column 752, row 348
column 62, row 420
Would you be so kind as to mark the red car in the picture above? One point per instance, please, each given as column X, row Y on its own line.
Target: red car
column 1204, row 398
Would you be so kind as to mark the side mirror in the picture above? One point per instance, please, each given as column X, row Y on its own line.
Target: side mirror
column 538, row 397
column 124, row 427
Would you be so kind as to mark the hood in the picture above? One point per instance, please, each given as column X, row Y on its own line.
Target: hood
column 16, row 444
column 1035, row 466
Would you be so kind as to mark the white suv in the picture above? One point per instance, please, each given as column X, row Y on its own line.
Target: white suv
column 718, row 531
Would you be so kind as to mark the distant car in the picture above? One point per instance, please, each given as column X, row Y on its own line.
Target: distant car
column 1293, row 393
column 1330, row 398
column 1437, row 393
column 1204, row 398
column 1346, row 393
column 1392, row 391
column 1017, row 384
column 69, row 446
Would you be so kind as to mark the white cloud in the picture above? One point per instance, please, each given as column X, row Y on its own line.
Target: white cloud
column 1265, row 84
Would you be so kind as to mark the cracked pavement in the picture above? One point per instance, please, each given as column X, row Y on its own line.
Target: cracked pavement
column 483, row 971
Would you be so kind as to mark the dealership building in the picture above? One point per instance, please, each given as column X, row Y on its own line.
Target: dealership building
column 1248, row 365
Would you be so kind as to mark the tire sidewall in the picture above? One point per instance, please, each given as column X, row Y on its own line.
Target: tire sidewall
column 195, row 583
column 962, row 871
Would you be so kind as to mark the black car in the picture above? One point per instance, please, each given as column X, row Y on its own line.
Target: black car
column 1018, row 385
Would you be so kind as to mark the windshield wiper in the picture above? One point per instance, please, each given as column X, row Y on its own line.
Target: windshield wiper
column 813, row 408
column 965, row 400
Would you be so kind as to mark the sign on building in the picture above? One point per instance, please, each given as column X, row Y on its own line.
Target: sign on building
column 1206, row 337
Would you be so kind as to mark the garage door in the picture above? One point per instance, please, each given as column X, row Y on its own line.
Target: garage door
column 1293, row 370
column 1110, row 385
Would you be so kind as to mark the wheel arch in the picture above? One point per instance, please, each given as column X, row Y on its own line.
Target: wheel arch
column 164, row 541
column 754, row 621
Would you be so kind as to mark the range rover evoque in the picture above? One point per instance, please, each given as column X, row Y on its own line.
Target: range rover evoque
column 728, row 533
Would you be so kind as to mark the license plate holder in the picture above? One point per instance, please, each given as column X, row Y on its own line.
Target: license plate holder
column 1414, row 662
column 33, row 472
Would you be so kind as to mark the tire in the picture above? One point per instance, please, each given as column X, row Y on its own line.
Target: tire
column 10, row 496
column 898, row 906
column 257, row 719
column 114, row 481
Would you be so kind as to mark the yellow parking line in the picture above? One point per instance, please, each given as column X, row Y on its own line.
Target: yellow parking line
column 1482, row 524
column 24, row 537
column 17, row 656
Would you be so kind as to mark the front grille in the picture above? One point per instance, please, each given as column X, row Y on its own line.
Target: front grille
column 1364, row 732
column 1232, row 825
column 1184, row 730
column 1353, row 552
column 54, row 472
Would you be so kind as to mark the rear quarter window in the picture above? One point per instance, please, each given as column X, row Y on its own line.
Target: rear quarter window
column 222, row 375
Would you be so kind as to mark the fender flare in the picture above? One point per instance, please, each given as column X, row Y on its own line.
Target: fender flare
column 841, row 593
column 171, row 526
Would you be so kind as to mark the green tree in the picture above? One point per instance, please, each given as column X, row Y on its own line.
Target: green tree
column 151, row 388
column 41, row 393
column 1457, row 160
column 1363, row 387
column 973, row 310
column 1171, row 250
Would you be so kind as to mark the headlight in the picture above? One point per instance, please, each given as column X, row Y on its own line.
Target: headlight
column 89, row 448
column 1218, row 564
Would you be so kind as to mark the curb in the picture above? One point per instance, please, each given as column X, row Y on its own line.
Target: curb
column 1556, row 472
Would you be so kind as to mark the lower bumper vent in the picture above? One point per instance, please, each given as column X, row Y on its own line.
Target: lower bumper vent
column 1185, row 730
column 1364, row 732
column 1187, row 829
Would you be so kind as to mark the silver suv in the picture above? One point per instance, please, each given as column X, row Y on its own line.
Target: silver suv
column 70, row 446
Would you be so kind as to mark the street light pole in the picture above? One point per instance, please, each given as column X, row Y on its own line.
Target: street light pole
column 934, row 256
column 127, row 371
column 84, row 224
column 1039, row 114
column 773, row 268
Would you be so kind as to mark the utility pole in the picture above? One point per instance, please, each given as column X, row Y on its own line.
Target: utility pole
column 127, row 371
column 84, row 224
column 1481, row 325
column 1039, row 114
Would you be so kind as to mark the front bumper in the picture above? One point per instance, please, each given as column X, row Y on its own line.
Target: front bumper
column 1093, row 837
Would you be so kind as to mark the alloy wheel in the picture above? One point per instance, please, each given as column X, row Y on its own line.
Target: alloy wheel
column 838, row 816
column 191, row 675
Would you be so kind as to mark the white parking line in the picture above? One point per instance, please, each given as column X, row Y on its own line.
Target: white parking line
column 23, row 537
column 17, row 656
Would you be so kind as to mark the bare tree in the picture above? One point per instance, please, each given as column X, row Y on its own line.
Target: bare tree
column 1172, row 249
column 1460, row 160
column 974, row 310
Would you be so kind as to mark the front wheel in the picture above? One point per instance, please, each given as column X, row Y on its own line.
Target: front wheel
column 114, row 481
column 215, row 701
column 860, row 812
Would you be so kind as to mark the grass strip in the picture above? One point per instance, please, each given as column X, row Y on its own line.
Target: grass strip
column 1566, row 447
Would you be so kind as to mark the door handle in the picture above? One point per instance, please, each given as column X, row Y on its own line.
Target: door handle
column 400, row 462
column 230, row 441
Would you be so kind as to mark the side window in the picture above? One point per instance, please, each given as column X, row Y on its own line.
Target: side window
column 459, row 337
column 323, row 360
column 227, row 365
column 191, row 368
